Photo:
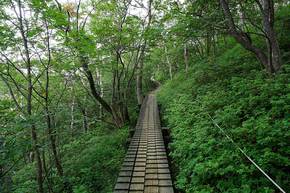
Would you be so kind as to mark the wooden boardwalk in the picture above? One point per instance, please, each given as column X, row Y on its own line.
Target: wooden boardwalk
column 145, row 168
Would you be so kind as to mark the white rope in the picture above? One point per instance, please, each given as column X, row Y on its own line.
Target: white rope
column 252, row 161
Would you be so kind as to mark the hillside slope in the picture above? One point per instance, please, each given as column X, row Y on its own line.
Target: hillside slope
column 251, row 106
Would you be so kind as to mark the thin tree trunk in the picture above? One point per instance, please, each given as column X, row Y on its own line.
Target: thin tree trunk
column 94, row 92
column 272, row 60
column 199, row 47
column 53, row 145
column 139, row 78
column 274, row 57
column 51, row 133
column 72, row 116
column 85, row 121
column 139, row 83
column 38, row 160
column 110, row 109
column 126, row 113
column 49, row 184
column 29, row 101
column 185, row 55
column 168, row 63
column 242, row 38
column 100, row 84
column 208, row 43
column 101, row 113
column 114, row 97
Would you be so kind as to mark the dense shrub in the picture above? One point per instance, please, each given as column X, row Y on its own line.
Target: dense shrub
column 251, row 106
column 94, row 161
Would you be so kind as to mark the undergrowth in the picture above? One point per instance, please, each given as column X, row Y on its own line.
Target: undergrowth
column 253, row 109
column 91, row 162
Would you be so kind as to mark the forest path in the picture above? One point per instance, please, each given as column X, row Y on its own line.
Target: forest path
column 145, row 168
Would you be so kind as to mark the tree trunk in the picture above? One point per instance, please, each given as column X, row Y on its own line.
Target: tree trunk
column 271, row 62
column 112, row 110
column 139, row 84
column 100, row 84
column 49, row 183
column 168, row 63
column 38, row 160
column 208, row 43
column 185, row 55
column 51, row 133
column 242, row 37
column 274, row 57
column 35, row 144
column 126, row 113
column 53, row 146
column 139, row 78
column 117, row 116
column 94, row 92
column 85, row 121
column 72, row 120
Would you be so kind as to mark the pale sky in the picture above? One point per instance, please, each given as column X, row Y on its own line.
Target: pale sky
column 140, row 12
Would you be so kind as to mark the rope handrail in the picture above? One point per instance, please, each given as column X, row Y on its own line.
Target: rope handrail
column 244, row 153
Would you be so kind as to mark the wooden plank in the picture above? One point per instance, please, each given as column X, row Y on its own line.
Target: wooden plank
column 138, row 187
column 122, row 186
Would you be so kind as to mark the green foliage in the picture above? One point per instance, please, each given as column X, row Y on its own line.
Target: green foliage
column 91, row 163
column 252, row 107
